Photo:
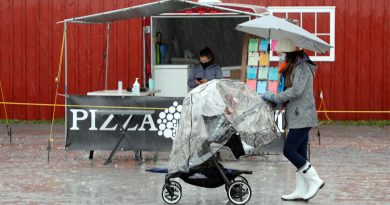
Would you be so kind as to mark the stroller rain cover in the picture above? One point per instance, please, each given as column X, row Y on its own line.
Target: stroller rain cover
column 209, row 112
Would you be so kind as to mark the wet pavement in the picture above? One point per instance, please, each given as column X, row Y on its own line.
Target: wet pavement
column 353, row 161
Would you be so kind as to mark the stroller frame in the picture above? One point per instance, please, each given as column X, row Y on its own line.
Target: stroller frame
column 238, row 189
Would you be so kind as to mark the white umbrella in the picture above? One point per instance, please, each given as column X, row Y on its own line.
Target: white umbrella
column 276, row 28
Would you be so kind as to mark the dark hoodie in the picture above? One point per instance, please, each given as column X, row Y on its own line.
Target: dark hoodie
column 210, row 73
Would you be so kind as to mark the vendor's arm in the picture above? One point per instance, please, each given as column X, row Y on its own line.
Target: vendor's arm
column 214, row 73
column 191, row 78
column 301, row 77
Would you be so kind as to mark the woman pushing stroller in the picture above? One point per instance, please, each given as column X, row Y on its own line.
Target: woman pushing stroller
column 298, row 73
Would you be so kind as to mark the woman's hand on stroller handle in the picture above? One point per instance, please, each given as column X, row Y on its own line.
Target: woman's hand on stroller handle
column 268, row 96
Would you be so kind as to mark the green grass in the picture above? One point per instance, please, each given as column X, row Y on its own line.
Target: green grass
column 56, row 121
column 380, row 123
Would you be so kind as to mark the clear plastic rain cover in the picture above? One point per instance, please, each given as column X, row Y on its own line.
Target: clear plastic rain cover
column 213, row 110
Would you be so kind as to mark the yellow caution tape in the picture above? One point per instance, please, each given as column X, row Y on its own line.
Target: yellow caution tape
column 83, row 106
column 5, row 109
column 354, row 111
column 57, row 81
column 163, row 108
column 325, row 111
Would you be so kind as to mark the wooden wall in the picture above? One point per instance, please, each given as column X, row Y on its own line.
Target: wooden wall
column 30, row 42
column 30, row 51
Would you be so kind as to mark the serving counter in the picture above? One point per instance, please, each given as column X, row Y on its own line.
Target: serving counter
column 124, row 93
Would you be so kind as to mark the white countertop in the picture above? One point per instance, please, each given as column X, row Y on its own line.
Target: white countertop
column 124, row 93
column 172, row 66
column 186, row 66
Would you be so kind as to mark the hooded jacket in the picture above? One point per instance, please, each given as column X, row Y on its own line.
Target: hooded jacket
column 300, row 109
column 210, row 73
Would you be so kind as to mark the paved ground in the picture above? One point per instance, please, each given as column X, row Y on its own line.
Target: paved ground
column 353, row 161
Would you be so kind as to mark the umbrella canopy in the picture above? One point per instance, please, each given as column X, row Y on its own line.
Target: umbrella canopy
column 210, row 113
column 276, row 28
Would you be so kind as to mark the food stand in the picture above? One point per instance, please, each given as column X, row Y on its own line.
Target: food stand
column 150, row 122
column 185, row 33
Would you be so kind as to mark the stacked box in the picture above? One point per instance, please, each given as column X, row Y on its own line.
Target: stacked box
column 260, row 76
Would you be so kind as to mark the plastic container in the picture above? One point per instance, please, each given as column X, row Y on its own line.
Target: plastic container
column 136, row 88
column 120, row 87
column 151, row 84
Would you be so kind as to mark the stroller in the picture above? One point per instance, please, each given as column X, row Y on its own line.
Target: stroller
column 211, row 174
column 216, row 114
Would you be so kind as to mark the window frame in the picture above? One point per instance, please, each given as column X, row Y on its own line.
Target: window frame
column 311, row 9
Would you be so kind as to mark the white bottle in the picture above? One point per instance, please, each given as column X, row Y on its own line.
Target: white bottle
column 120, row 87
column 136, row 87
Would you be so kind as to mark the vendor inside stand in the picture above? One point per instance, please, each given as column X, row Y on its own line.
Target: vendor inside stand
column 205, row 70
column 184, row 36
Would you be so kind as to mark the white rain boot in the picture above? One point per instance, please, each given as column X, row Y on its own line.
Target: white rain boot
column 312, row 179
column 300, row 188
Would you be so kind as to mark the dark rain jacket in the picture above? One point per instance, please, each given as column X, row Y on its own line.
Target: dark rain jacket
column 210, row 73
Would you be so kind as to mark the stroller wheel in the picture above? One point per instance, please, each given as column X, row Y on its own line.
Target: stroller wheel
column 237, row 178
column 176, row 184
column 239, row 192
column 171, row 193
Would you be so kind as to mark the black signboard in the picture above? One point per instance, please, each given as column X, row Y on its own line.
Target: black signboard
column 149, row 122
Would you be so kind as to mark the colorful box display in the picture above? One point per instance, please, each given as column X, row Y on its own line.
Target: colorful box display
column 263, row 73
column 251, row 84
column 260, row 77
column 251, row 72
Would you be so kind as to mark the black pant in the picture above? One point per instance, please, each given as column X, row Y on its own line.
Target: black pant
column 295, row 147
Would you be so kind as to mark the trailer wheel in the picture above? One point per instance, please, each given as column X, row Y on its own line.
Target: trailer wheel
column 239, row 192
column 171, row 193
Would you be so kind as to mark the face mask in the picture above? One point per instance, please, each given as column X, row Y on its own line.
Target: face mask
column 282, row 57
column 205, row 65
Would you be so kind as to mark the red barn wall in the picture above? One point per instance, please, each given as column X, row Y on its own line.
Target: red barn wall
column 30, row 40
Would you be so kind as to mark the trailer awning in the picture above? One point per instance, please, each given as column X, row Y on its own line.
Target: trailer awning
column 152, row 9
